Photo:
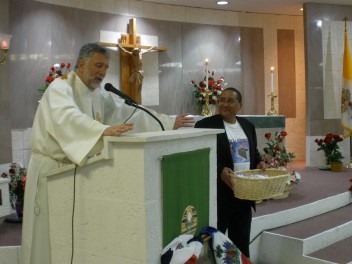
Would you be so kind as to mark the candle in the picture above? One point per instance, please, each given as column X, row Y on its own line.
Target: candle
column 206, row 74
column 272, row 79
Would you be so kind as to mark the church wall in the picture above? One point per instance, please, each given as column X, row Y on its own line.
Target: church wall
column 317, row 126
column 5, row 93
column 45, row 34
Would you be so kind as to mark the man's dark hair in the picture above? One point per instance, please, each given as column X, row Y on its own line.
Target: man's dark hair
column 238, row 93
column 89, row 49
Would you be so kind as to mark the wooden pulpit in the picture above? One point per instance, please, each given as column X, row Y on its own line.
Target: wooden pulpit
column 111, row 210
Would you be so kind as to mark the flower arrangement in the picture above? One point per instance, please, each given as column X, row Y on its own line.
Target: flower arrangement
column 56, row 71
column 275, row 153
column 214, row 89
column 294, row 178
column 17, row 186
column 330, row 147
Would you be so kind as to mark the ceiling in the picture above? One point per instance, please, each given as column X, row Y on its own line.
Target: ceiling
column 284, row 7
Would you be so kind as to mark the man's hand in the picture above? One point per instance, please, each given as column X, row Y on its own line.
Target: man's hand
column 183, row 121
column 226, row 176
column 117, row 130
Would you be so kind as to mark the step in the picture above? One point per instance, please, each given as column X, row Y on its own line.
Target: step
column 339, row 252
column 292, row 242
column 317, row 224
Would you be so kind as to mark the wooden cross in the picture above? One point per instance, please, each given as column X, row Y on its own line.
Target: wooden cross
column 131, row 74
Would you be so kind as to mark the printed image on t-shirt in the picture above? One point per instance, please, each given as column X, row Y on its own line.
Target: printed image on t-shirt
column 240, row 150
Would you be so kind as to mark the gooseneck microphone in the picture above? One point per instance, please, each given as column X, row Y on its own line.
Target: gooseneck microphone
column 129, row 101
column 110, row 88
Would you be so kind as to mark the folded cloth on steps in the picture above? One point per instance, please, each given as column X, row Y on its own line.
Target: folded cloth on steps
column 225, row 251
column 184, row 249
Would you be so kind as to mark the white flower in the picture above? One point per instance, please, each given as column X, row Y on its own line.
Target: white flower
column 57, row 66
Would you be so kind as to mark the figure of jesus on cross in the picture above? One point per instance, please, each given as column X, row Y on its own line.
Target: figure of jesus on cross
column 137, row 75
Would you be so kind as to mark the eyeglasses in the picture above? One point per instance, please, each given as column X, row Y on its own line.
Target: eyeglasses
column 223, row 100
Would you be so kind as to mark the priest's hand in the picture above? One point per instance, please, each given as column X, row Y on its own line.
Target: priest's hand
column 226, row 176
column 117, row 130
column 184, row 121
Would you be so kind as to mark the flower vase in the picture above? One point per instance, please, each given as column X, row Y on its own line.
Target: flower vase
column 19, row 210
column 327, row 153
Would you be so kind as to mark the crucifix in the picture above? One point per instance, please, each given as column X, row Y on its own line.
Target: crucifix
column 131, row 67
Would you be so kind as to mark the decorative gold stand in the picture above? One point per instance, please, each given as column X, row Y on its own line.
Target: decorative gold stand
column 272, row 111
column 206, row 111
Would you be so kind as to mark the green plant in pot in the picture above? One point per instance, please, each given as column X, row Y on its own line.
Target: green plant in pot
column 335, row 156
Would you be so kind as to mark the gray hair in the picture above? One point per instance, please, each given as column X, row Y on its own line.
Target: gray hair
column 87, row 51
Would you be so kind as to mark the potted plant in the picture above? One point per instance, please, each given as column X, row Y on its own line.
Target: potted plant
column 276, row 156
column 17, row 175
column 331, row 149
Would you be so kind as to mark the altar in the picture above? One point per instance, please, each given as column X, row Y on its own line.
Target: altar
column 266, row 124
column 263, row 124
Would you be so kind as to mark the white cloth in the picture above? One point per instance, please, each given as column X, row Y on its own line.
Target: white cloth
column 64, row 131
column 183, row 249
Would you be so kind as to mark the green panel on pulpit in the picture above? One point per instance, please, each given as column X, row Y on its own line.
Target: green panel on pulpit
column 185, row 193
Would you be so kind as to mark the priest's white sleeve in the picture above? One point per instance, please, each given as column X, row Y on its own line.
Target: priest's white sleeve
column 61, row 129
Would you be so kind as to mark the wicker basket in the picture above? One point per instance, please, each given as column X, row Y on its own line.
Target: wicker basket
column 287, row 190
column 259, row 189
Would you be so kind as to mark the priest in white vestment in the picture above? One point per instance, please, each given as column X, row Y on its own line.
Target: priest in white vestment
column 72, row 117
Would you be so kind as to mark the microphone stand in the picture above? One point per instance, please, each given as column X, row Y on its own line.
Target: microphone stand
column 128, row 102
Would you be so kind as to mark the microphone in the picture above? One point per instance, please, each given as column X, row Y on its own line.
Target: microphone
column 129, row 101
column 110, row 88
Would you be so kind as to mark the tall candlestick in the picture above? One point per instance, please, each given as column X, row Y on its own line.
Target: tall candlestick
column 206, row 74
column 272, row 79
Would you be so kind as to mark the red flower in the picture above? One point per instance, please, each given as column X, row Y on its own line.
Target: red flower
column 276, row 148
column 268, row 135
column 275, row 153
column 330, row 147
column 62, row 65
column 327, row 140
column 49, row 79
